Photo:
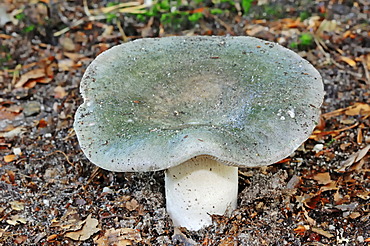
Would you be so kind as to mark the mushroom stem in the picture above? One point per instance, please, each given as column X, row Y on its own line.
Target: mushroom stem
column 198, row 188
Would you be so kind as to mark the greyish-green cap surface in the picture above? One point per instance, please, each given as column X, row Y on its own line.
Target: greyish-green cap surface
column 152, row 104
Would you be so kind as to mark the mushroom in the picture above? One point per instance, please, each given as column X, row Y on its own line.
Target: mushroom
column 198, row 108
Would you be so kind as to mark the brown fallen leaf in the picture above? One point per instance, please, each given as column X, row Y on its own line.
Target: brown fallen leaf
column 18, row 131
column 17, row 205
column 20, row 239
column 318, row 134
column 132, row 205
column 89, row 229
column 322, row 232
column 69, row 221
column 59, row 92
column 33, row 74
column 357, row 108
column 355, row 215
column 345, row 165
column 322, row 178
column 228, row 241
column 348, row 60
column 333, row 185
column 10, row 158
column 74, row 56
column 9, row 113
column 15, row 220
column 118, row 237
column 51, row 237
column 301, row 229
column 365, row 195
column 65, row 64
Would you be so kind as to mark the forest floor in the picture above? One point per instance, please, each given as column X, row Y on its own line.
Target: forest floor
column 50, row 194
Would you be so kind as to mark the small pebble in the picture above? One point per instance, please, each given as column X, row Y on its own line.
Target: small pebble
column 360, row 239
column 31, row 109
column 318, row 148
column 107, row 190
column 46, row 202
column 17, row 151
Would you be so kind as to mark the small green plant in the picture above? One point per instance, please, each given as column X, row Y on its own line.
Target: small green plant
column 246, row 5
column 330, row 142
column 305, row 41
column 304, row 15
column 29, row 28
column 111, row 17
column 5, row 56
column 20, row 16
column 177, row 14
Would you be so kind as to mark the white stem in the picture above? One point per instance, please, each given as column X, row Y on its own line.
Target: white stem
column 200, row 187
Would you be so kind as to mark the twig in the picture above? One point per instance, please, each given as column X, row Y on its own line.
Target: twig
column 132, row 7
column 58, row 151
column 106, row 10
column 367, row 74
column 79, row 22
column 321, row 45
column 124, row 37
column 86, row 8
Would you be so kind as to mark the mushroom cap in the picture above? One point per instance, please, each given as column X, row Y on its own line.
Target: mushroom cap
column 154, row 103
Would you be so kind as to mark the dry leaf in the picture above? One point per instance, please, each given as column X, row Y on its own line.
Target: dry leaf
column 67, row 44
column 15, row 220
column 337, row 196
column 353, row 159
column 359, row 136
column 20, row 239
column 17, row 206
column 358, row 109
column 10, row 113
column 13, row 133
column 327, row 26
column 69, row 221
column 322, row 232
column 330, row 186
column 74, row 56
column 365, row 195
column 132, row 205
column 228, row 241
column 119, row 237
column 33, row 74
column 301, row 229
column 322, row 178
column 6, row 115
column 51, row 237
column 89, row 229
column 355, row 215
column 65, row 64
column 59, row 92
column 348, row 60
column 10, row 158
column 310, row 221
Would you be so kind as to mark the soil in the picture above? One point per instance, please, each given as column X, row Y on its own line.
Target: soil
column 50, row 194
